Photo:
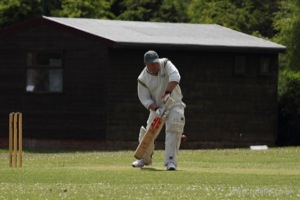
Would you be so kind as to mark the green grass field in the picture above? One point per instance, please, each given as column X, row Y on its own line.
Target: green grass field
column 202, row 174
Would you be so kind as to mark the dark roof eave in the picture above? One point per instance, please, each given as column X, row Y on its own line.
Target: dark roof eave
column 200, row 47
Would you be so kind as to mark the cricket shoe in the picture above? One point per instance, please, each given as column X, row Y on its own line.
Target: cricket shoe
column 138, row 163
column 171, row 166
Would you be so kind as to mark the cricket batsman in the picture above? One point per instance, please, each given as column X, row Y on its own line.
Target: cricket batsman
column 157, row 84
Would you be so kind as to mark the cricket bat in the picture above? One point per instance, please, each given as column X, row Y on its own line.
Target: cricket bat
column 156, row 126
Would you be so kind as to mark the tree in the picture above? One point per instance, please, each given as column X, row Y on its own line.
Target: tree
column 82, row 8
column 137, row 10
column 248, row 16
column 214, row 12
column 172, row 11
column 264, row 12
column 289, row 108
column 287, row 23
column 151, row 10
column 14, row 11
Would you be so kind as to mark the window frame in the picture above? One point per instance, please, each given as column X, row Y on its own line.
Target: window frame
column 36, row 65
column 264, row 66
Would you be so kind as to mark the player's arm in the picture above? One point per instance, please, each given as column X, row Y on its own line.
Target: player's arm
column 145, row 96
column 174, row 77
column 153, row 107
column 171, row 86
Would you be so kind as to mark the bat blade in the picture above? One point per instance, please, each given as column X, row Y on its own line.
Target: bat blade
column 150, row 135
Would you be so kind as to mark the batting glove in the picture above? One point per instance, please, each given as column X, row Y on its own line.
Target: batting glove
column 166, row 96
column 158, row 112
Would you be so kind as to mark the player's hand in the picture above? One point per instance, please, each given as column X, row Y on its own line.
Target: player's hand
column 158, row 112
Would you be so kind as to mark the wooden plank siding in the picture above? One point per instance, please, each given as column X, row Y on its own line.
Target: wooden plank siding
column 224, row 108
column 78, row 112
column 125, row 113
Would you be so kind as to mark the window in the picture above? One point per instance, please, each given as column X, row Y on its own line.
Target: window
column 44, row 72
column 264, row 68
column 239, row 65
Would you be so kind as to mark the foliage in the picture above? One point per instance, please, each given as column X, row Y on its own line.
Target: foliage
column 287, row 23
column 289, row 108
column 223, row 13
column 201, row 174
column 82, row 8
column 248, row 16
column 151, row 10
column 136, row 10
column 172, row 11
column 14, row 11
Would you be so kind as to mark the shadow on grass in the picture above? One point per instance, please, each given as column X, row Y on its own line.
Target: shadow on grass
column 151, row 169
